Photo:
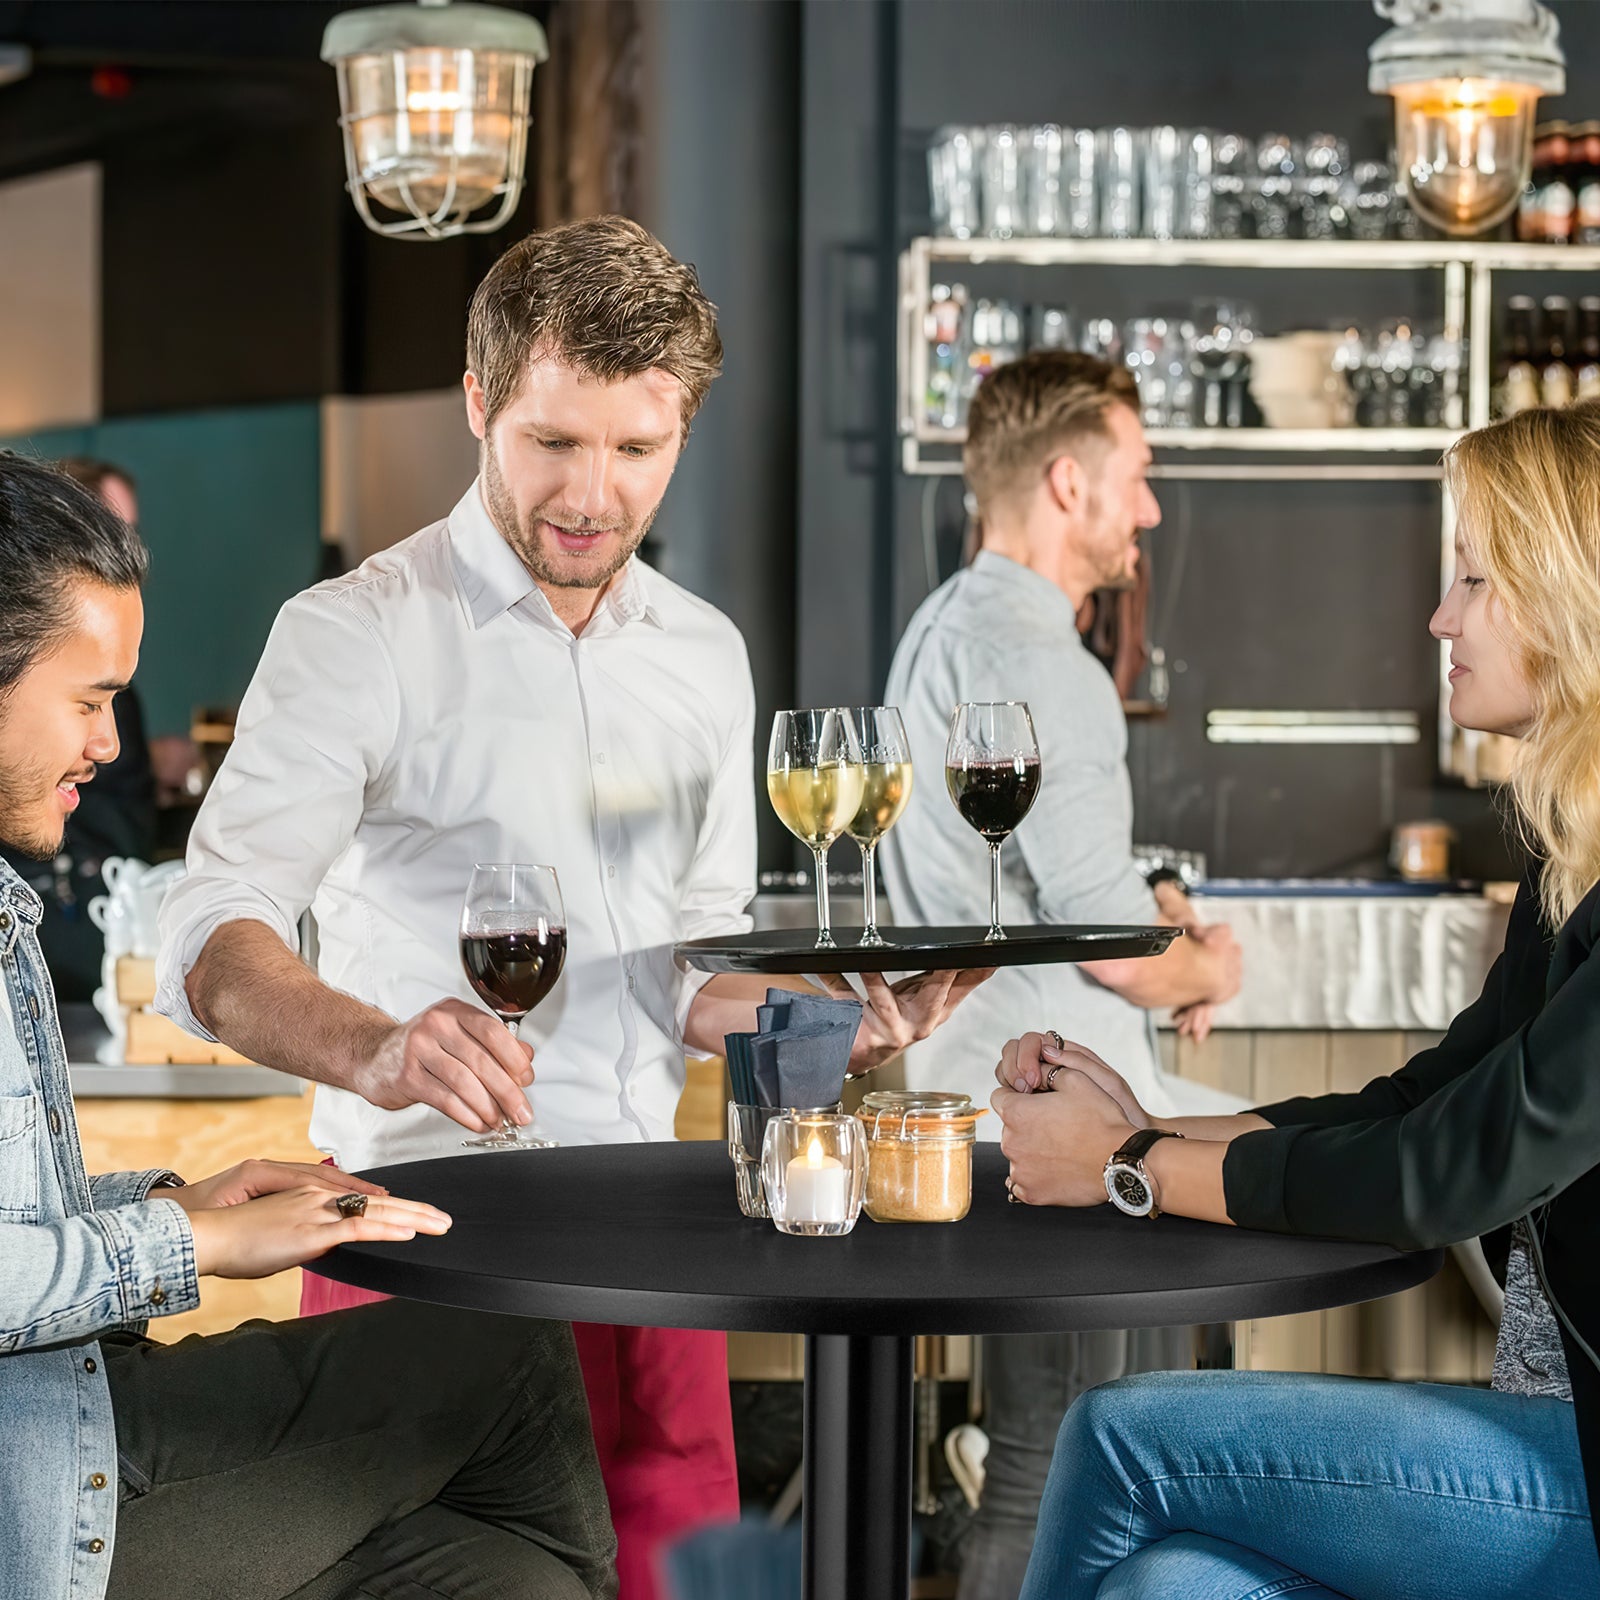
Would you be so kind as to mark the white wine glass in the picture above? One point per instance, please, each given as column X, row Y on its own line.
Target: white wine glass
column 991, row 768
column 814, row 780
column 513, row 947
column 885, row 791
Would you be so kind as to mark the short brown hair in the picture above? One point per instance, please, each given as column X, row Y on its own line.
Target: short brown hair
column 1028, row 412
column 602, row 294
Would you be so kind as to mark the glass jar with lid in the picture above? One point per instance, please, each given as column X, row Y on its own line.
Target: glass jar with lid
column 919, row 1155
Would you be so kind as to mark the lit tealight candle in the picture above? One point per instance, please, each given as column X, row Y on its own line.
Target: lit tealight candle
column 817, row 1188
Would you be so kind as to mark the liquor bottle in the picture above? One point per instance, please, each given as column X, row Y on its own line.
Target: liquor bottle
column 1588, row 375
column 1557, row 380
column 1518, row 379
column 1530, row 208
column 1586, row 183
column 1557, row 201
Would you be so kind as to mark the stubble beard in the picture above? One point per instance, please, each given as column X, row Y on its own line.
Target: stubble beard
column 19, row 793
column 523, row 536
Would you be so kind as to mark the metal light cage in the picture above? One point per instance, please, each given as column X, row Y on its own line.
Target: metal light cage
column 434, row 114
column 1466, row 76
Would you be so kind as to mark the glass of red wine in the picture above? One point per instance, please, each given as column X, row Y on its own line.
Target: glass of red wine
column 513, row 946
column 991, row 768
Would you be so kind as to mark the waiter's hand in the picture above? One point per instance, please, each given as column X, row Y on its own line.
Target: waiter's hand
column 901, row 1013
column 456, row 1058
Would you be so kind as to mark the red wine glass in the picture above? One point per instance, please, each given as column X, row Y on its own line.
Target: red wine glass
column 991, row 768
column 513, row 946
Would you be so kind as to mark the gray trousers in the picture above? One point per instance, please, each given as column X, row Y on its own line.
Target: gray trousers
column 1029, row 1380
column 398, row 1451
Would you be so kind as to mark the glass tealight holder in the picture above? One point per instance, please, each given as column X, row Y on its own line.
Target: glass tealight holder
column 747, row 1128
column 814, row 1171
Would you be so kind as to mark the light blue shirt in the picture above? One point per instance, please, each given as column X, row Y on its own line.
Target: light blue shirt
column 79, row 1257
column 1000, row 631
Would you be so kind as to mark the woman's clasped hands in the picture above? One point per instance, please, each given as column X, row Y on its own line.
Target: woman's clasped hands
column 1065, row 1113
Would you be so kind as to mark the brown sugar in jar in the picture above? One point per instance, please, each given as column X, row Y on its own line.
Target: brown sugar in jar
column 919, row 1155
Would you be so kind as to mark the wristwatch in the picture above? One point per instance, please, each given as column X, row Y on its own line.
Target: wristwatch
column 1129, row 1186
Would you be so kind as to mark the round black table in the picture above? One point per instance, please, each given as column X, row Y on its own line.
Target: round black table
column 650, row 1235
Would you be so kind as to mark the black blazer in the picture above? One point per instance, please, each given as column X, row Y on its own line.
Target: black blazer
column 1500, row 1120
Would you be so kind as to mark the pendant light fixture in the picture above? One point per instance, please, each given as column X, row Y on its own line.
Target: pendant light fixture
column 434, row 111
column 1466, row 76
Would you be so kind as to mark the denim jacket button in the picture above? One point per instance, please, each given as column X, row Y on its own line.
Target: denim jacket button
column 5, row 920
column 90, row 1365
column 55, row 1120
column 158, row 1296
column 97, row 1480
column 33, row 1006
column 96, row 1546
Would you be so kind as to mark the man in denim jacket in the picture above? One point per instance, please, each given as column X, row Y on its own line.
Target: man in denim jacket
column 394, row 1450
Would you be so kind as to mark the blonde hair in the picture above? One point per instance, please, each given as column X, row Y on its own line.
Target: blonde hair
column 1527, row 493
column 1030, row 411
column 602, row 294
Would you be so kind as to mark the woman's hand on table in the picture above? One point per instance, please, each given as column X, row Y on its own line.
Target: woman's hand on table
column 1058, row 1143
column 289, row 1227
column 899, row 1014
column 1026, row 1064
column 252, row 1179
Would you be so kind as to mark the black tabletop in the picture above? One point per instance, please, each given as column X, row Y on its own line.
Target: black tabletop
column 650, row 1235
column 922, row 949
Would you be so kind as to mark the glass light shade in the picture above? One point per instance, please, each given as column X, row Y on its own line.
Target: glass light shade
column 1464, row 147
column 435, row 136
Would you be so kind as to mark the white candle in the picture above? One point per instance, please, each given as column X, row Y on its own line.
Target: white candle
column 817, row 1188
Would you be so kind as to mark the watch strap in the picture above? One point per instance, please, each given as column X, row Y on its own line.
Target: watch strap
column 1136, row 1148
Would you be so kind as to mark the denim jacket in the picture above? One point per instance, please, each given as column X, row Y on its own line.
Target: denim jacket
column 79, row 1256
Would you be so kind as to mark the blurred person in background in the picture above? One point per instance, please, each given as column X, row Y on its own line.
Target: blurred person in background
column 1056, row 459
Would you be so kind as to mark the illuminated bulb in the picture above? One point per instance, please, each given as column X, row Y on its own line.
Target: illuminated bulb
column 1466, row 76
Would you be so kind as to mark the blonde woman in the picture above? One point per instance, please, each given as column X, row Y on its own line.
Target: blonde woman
column 1240, row 1486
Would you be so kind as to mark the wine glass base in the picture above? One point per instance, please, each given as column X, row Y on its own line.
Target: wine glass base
column 870, row 939
column 994, row 936
column 499, row 1141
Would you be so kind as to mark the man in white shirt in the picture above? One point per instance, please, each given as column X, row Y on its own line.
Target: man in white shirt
column 512, row 684
column 1057, row 459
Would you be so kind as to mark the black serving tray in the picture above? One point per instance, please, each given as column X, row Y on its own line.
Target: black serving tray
column 910, row 949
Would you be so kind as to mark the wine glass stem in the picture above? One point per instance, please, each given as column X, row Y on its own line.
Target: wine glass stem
column 869, row 890
column 824, row 920
column 995, row 930
column 507, row 1126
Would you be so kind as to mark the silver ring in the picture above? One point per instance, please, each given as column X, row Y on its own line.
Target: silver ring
column 1050, row 1076
column 1055, row 1038
column 351, row 1205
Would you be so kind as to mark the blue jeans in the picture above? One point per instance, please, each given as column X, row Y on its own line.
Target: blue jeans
column 1250, row 1485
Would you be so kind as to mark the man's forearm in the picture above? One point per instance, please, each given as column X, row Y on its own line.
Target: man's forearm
column 727, row 1004
column 261, row 999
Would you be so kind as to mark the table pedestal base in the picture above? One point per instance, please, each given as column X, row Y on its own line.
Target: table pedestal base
column 856, row 1522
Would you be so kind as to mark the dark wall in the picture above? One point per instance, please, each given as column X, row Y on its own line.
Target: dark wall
column 1265, row 596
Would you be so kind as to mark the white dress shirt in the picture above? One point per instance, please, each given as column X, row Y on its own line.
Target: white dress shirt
column 429, row 711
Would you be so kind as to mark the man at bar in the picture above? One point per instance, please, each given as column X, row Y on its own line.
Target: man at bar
column 1057, row 460
column 513, row 684
column 407, row 1446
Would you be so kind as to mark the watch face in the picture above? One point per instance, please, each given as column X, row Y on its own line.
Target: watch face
column 1129, row 1191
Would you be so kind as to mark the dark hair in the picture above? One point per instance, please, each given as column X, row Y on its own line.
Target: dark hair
column 604, row 295
column 92, row 472
column 53, row 530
